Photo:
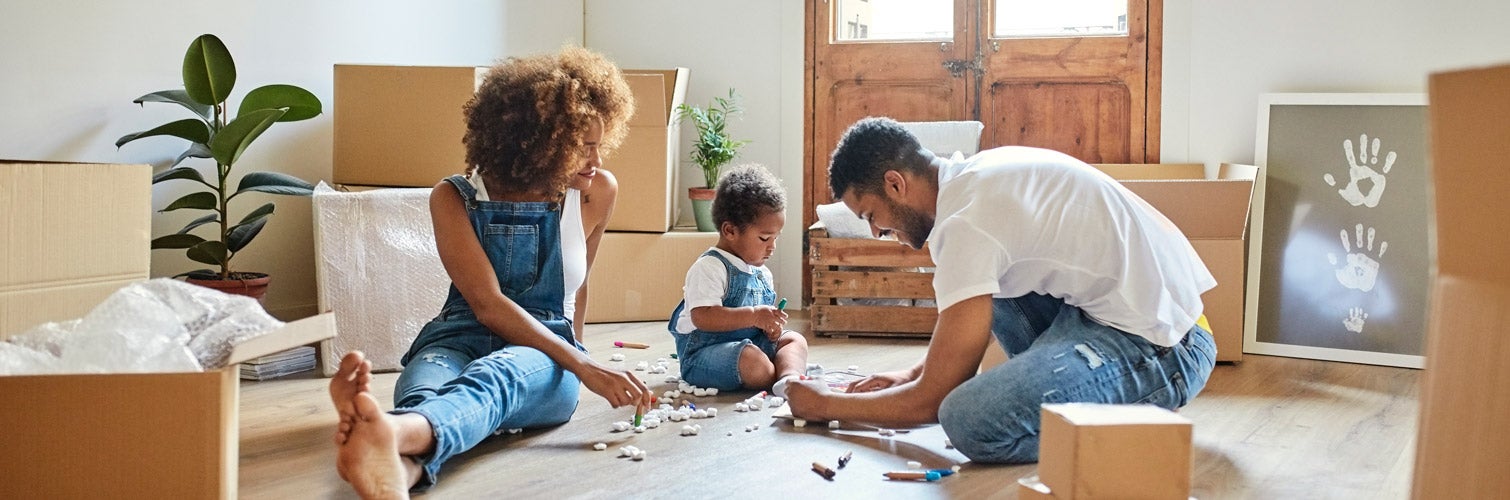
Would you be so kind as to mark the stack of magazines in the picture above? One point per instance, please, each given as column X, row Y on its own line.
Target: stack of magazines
column 298, row 359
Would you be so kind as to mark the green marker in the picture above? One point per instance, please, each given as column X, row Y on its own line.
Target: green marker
column 780, row 306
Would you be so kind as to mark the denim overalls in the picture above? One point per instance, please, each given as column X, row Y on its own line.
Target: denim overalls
column 467, row 381
column 711, row 359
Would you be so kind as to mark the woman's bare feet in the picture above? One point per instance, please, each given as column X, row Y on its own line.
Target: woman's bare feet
column 353, row 377
column 369, row 459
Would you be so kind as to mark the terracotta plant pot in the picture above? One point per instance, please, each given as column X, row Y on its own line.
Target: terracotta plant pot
column 252, row 285
column 702, row 208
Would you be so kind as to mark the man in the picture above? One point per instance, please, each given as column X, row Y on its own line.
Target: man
column 1093, row 293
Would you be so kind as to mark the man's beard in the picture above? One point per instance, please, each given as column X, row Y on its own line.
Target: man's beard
column 913, row 224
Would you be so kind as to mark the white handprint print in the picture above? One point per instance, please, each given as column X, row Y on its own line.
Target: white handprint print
column 1361, row 167
column 1360, row 271
column 1355, row 318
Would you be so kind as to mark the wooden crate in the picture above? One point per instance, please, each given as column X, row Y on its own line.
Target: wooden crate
column 852, row 268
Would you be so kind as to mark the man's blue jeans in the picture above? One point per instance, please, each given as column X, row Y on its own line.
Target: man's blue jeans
column 1058, row 355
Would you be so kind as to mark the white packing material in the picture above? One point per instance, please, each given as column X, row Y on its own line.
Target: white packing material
column 160, row 325
column 377, row 269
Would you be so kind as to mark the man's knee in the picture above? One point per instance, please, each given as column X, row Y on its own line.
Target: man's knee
column 989, row 434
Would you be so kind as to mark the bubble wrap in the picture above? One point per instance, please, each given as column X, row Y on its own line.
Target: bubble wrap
column 377, row 269
column 161, row 325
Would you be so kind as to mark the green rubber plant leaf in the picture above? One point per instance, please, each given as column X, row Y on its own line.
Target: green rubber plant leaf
column 176, row 240
column 273, row 183
column 242, row 234
column 189, row 173
column 260, row 212
column 187, row 128
column 231, row 141
column 206, row 273
column 201, row 200
column 209, row 252
column 181, row 98
column 196, row 150
column 300, row 103
column 209, row 72
column 214, row 217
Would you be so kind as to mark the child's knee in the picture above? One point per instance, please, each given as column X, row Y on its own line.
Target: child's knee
column 755, row 369
column 791, row 338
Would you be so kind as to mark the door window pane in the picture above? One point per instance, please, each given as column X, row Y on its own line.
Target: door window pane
column 1044, row 18
column 894, row 20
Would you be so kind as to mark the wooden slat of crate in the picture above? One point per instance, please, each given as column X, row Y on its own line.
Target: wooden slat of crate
column 882, row 284
column 861, row 252
column 872, row 320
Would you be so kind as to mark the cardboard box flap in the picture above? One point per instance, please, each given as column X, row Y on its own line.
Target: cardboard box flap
column 1203, row 209
column 1160, row 171
column 44, row 243
column 657, row 93
column 301, row 332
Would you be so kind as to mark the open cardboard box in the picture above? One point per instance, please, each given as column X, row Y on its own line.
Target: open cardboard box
column 1100, row 451
column 1463, row 450
column 1222, row 215
column 639, row 276
column 400, row 126
column 70, row 235
column 147, row 435
column 646, row 163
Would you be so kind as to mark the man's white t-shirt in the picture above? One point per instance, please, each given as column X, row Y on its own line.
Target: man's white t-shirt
column 1018, row 220
column 708, row 281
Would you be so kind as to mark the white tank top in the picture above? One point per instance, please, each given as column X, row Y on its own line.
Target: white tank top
column 573, row 242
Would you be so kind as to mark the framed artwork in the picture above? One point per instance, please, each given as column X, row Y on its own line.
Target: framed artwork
column 1345, row 251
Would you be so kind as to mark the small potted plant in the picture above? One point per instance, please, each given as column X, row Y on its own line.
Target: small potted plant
column 711, row 150
column 209, row 73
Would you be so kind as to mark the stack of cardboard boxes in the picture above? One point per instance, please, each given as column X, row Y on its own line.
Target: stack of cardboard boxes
column 402, row 126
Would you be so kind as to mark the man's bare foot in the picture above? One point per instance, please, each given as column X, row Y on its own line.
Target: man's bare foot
column 369, row 459
column 353, row 377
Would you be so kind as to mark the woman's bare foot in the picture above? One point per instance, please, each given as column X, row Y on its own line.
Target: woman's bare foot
column 369, row 459
column 353, row 377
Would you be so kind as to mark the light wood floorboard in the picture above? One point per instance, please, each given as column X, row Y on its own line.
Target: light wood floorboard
column 1268, row 427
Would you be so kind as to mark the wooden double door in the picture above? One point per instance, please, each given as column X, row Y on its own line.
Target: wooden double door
column 1095, row 96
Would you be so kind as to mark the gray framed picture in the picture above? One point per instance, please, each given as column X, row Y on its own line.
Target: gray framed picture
column 1345, row 251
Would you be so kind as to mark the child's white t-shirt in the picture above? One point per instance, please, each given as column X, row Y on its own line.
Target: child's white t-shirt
column 708, row 281
column 1019, row 220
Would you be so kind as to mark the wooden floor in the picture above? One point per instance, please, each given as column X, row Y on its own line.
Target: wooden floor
column 1268, row 427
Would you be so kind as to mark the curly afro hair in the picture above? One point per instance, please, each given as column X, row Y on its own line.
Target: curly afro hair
column 527, row 123
column 867, row 150
column 746, row 192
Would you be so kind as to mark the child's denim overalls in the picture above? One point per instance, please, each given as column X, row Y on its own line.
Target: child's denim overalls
column 470, row 383
column 711, row 359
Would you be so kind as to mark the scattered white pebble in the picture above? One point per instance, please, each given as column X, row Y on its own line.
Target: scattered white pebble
column 887, row 432
column 699, row 392
column 515, row 431
column 687, row 430
column 639, row 455
column 639, row 429
column 600, row 446
column 776, row 401
column 616, row 357
column 948, row 444
column 652, row 423
column 833, row 424
column 671, row 379
column 741, row 407
column 712, row 391
column 662, row 361
column 799, row 423
column 955, row 468
column 914, row 464
column 624, row 451
column 641, row 366
column 756, row 403
column 658, row 369
column 700, row 414
column 712, row 412
column 621, row 426
column 731, row 433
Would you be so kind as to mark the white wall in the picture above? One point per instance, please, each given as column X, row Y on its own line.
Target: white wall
column 755, row 47
column 72, row 67
column 1221, row 54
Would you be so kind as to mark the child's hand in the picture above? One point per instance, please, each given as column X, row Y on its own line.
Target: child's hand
column 770, row 320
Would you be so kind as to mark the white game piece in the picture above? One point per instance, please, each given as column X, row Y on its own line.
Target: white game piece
column 776, row 402
column 641, row 366
column 955, row 468
column 600, row 446
column 699, row 392
column 671, row 379
column 639, row 455
column 700, row 414
column 639, row 429
column 686, row 430
column 948, row 444
column 712, row 391
column 799, row 423
column 712, row 412
column 731, row 433
column 657, row 369
column 741, row 407
column 756, row 404
column 833, row 424
column 651, row 424
column 515, row 431
column 616, row 357
column 621, row 426
column 662, row 360
column 887, row 432
column 624, row 451
column 914, row 464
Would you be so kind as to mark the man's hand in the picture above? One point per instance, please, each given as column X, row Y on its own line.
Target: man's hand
column 880, row 381
column 619, row 387
column 809, row 399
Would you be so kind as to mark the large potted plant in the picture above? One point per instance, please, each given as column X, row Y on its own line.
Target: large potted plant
column 213, row 133
column 711, row 149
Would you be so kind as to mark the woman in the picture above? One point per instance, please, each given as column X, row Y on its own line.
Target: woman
column 517, row 237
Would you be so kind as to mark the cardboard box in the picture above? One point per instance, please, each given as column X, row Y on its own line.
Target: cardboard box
column 1462, row 449
column 1125, row 452
column 646, row 164
column 639, row 276
column 142, row 435
column 1223, row 218
column 70, row 235
column 400, row 126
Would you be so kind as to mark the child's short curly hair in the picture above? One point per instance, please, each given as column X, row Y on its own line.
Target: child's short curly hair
column 527, row 122
column 746, row 192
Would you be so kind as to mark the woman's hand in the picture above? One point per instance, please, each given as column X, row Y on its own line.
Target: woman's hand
column 880, row 381
column 770, row 320
column 619, row 387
